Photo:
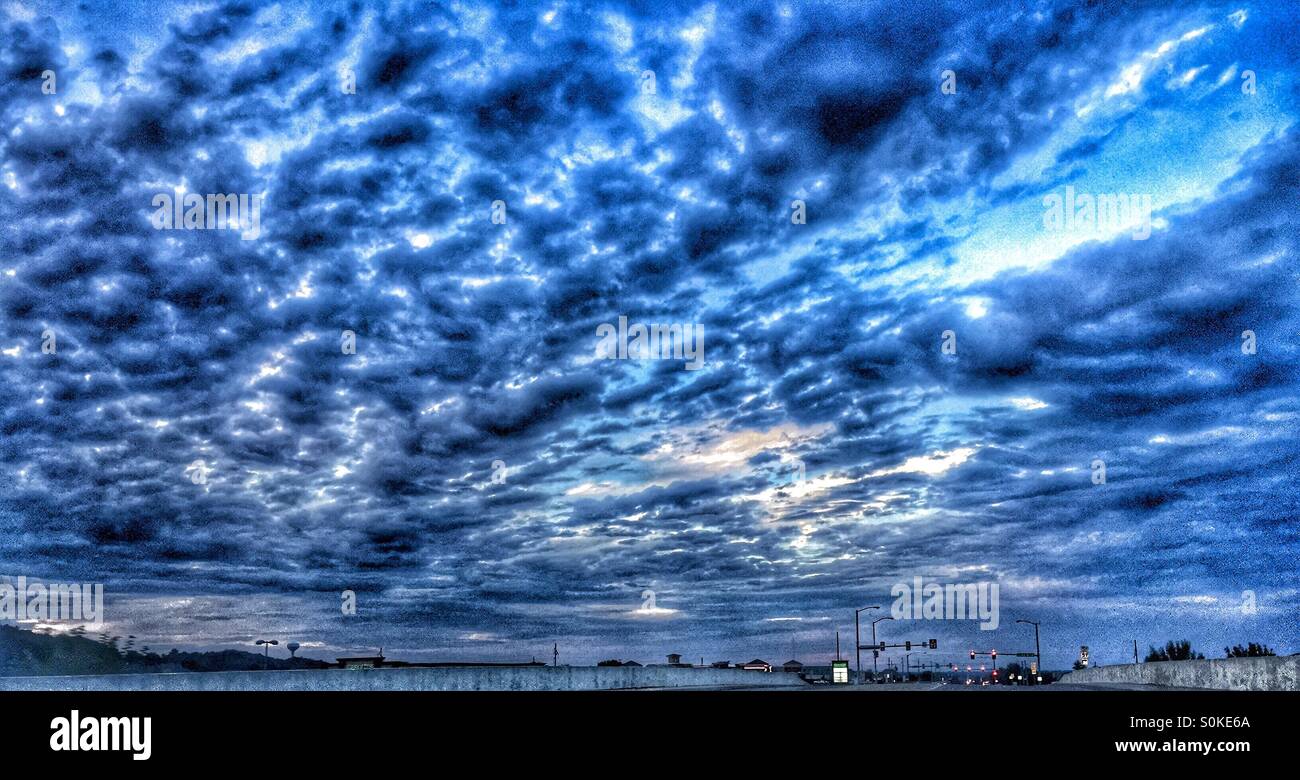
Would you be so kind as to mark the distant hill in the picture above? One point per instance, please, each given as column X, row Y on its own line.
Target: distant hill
column 26, row 653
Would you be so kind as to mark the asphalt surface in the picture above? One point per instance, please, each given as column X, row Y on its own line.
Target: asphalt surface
column 932, row 686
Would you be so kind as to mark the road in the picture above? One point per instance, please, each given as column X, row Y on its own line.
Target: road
column 933, row 686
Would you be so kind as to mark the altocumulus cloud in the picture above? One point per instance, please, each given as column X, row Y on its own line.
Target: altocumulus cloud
column 485, row 486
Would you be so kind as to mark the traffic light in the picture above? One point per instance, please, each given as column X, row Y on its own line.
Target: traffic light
column 908, row 645
column 934, row 644
column 995, row 655
column 972, row 655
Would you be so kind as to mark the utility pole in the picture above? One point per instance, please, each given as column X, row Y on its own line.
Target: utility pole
column 1135, row 651
column 555, row 655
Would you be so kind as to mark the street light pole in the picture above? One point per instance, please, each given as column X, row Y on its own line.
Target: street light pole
column 857, row 640
column 1038, row 653
column 876, row 653
column 266, row 643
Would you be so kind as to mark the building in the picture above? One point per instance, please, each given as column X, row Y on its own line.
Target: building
column 813, row 673
column 674, row 659
column 792, row 666
column 361, row 662
column 756, row 665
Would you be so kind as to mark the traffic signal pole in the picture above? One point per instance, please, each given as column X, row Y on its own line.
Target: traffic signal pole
column 1038, row 653
column 875, row 654
column 878, row 648
column 857, row 640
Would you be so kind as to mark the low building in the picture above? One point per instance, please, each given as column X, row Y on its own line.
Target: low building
column 792, row 666
column 361, row 662
column 756, row 665
column 814, row 673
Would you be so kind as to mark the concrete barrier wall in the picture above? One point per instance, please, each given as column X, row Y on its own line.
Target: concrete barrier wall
column 1236, row 674
column 544, row 678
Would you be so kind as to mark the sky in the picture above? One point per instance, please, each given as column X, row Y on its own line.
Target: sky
column 909, row 369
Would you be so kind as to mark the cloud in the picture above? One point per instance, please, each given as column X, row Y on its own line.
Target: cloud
column 376, row 470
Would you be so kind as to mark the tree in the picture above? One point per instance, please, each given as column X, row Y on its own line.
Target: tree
column 1174, row 651
column 1252, row 650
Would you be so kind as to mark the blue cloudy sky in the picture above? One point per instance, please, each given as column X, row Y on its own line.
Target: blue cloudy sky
column 475, row 341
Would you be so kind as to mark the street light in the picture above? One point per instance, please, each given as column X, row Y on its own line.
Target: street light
column 1038, row 653
column 857, row 637
column 876, row 653
column 266, row 643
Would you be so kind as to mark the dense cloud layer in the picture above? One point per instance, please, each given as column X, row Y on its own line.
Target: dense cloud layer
column 180, row 418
